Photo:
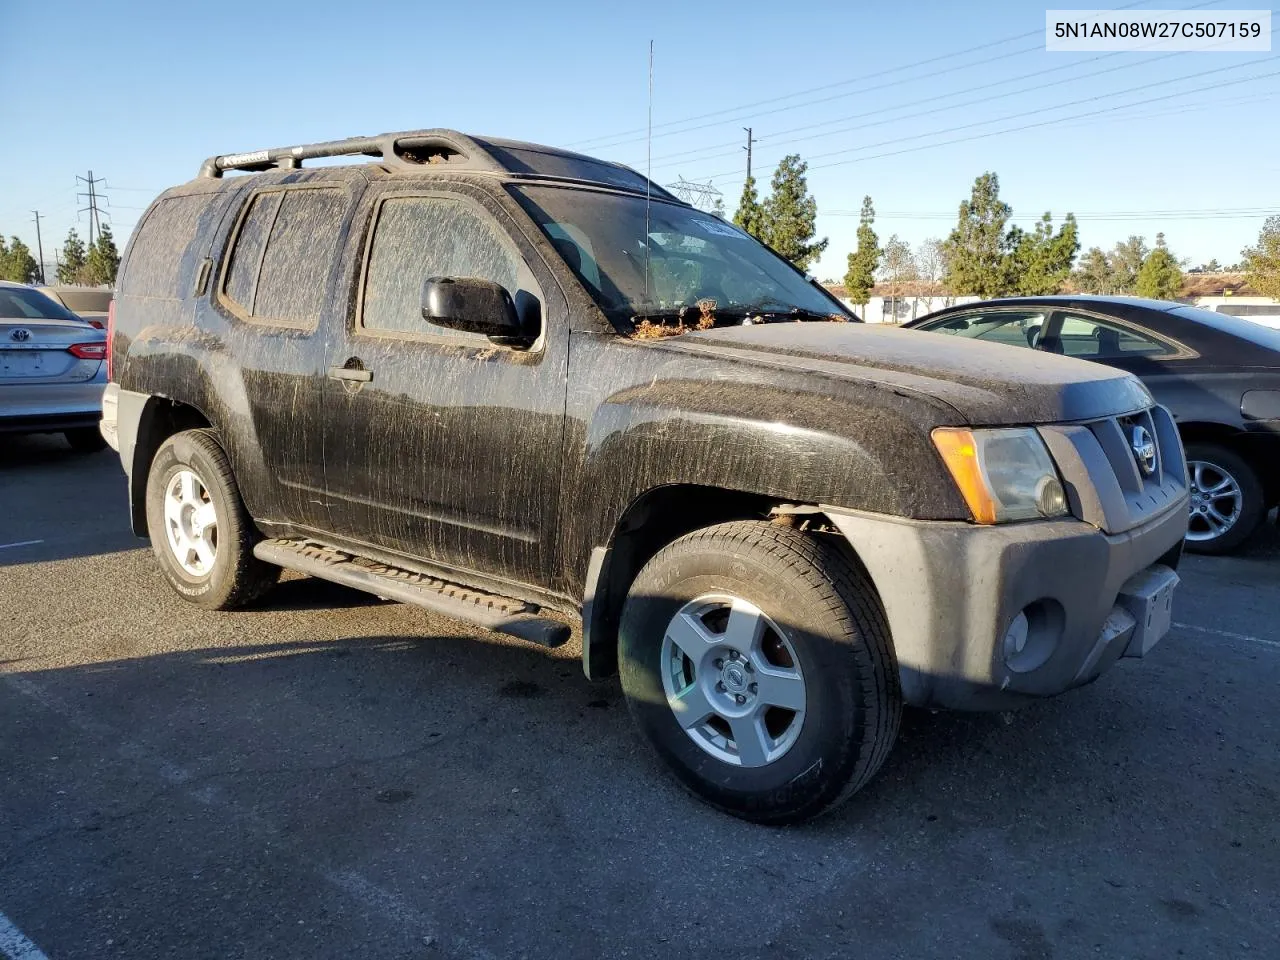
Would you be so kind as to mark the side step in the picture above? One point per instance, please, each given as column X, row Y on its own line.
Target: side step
column 503, row 614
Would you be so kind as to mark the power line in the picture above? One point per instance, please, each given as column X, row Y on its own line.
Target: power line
column 1024, row 113
column 612, row 140
column 703, row 155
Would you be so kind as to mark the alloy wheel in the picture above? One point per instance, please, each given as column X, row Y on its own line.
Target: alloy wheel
column 191, row 523
column 733, row 680
column 1216, row 501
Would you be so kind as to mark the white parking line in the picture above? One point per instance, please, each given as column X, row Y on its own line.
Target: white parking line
column 20, row 543
column 14, row 945
column 1229, row 635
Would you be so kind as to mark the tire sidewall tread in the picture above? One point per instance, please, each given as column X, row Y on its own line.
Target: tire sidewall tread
column 237, row 576
column 813, row 589
column 1253, row 506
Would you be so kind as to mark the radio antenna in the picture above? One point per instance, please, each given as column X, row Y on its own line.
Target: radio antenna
column 648, row 180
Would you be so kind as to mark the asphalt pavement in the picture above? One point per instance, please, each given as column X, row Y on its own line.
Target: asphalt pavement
column 328, row 775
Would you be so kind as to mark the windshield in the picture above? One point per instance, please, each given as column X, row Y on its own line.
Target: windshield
column 23, row 303
column 685, row 256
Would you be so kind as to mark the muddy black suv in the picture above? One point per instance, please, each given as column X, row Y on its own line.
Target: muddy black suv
column 503, row 381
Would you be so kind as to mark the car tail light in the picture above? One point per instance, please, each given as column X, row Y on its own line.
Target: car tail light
column 111, row 335
column 88, row 351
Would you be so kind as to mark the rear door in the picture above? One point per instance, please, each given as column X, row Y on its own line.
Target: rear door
column 449, row 448
column 277, row 289
column 42, row 342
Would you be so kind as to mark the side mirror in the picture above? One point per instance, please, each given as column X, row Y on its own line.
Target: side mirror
column 475, row 305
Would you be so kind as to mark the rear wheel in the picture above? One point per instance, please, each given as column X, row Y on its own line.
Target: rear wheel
column 85, row 439
column 1227, row 499
column 757, row 661
column 201, row 533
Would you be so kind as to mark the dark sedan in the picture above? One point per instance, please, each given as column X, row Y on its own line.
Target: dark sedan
column 1218, row 374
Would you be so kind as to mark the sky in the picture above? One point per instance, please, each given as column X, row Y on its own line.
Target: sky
column 905, row 102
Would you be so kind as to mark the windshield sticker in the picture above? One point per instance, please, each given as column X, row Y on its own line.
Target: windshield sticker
column 718, row 228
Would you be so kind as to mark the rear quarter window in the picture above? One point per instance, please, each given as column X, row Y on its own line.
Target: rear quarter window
column 157, row 254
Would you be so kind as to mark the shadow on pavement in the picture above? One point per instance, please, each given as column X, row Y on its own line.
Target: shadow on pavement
column 390, row 789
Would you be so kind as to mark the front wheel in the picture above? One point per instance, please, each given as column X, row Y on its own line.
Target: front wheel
column 1227, row 499
column 757, row 661
column 200, row 532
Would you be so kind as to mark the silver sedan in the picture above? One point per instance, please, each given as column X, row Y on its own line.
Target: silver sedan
column 52, row 368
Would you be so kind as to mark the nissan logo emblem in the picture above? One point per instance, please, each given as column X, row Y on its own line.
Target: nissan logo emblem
column 1144, row 450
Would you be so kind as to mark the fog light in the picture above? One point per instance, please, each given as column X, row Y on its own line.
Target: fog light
column 1015, row 638
column 1051, row 499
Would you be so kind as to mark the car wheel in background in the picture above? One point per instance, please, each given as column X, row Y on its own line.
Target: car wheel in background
column 85, row 439
column 200, row 531
column 757, row 661
column 1227, row 499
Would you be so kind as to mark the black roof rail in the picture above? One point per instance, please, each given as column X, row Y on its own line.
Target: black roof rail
column 407, row 149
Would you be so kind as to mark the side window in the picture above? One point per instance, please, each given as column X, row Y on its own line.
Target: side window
column 280, row 261
column 246, row 255
column 155, row 264
column 1094, row 339
column 1010, row 327
column 420, row 237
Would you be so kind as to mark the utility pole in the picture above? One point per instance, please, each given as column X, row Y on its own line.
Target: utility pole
column 95, row 219
column 750, row 141
column 40, row 247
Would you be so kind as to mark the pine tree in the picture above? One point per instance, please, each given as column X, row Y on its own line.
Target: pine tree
column 861, row 275
column 16, row 262
column 103, row 260
column 977, row 255
column 791, row 213
column 1262, row 262
column 73, row 258
column 750, row 216
column 1160, row 277
column 1042, row 259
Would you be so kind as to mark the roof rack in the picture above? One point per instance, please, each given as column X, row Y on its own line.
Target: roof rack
column 404, row 150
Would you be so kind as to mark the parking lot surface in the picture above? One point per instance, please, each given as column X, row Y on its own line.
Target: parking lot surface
column 328, row 775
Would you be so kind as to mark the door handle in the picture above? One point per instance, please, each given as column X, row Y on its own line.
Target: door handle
column 349, row 373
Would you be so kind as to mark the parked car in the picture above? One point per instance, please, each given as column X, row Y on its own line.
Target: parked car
column 496, row 379
column 1263, row 310
column 1219, row 375
column 52, row 369
column 87, row 303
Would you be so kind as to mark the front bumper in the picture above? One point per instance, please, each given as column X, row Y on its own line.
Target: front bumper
column 952, row 591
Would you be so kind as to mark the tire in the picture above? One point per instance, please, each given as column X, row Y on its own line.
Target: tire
column 1213, row 466
column 210, row 506
column 819, row 612
column 85, row 439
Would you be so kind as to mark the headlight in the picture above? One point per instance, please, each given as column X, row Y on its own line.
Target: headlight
column 1003, row 474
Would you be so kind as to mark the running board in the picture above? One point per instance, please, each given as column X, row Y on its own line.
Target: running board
column 503, row 614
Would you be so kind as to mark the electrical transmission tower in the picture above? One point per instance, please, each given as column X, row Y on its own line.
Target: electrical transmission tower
column 95, row 197
column 704, row 196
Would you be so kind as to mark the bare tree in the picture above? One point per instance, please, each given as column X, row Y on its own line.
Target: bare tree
column 897, row 268
column 931, row 264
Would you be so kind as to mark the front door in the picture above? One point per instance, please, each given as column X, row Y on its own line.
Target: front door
column 442, row 445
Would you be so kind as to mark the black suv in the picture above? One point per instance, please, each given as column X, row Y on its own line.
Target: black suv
column 503, row 381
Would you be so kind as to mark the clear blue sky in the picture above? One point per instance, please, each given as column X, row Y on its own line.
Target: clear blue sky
column 141, row 92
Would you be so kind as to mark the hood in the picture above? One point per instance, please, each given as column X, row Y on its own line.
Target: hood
column 987, row 384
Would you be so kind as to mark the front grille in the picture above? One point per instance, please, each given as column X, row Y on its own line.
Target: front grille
column 1120, row 472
